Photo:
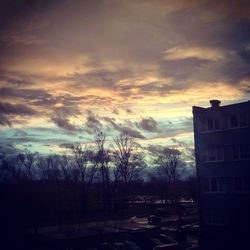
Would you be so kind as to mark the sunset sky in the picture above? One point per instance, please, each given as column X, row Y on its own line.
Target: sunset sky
column 70, row 69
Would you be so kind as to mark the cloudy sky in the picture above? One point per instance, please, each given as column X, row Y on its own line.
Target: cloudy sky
column 70, row 69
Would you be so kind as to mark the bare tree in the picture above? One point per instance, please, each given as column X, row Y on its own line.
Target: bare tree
column 167, row 161
column 129, row 162
column 102, row 160
column 81, row 160
column 29, row 164
column 92, row 167
column 18, row 166
column 65, row 167
column 48, row 167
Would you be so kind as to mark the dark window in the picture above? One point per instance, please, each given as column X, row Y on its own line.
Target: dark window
column 203, row 125
column 212, row 154
column 233, row 121
column 247, row 184
column 220, row 153
column 243, row 119
column 236, row 152
column 210, row 124
column 204, row 155
column 217, row 124
column 221, row 184
column 238, row 184
column 214, row 218
column 206, row 186
column 214, row 186
column 244, row 151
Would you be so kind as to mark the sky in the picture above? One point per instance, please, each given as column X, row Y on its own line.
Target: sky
column 72, row 69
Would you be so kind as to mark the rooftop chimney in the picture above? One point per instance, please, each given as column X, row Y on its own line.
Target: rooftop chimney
column 215, row 103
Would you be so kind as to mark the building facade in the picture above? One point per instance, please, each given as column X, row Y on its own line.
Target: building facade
column 222, row 151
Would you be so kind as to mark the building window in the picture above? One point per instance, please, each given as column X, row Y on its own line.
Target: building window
column 242, row 184
column 213, row 154
column 214, row 185
column 244, row 151
column 233, row 121
column 217, row 124
column 209, row 124
column 238, row 120
column 241, row 152
column 238, row 184
column 214, row 218
column 236, row 153
column 243, row 119
column 206, row 185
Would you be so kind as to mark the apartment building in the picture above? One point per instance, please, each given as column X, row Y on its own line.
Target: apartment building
column 222, row 151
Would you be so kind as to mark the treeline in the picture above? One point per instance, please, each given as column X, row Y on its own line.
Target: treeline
column 88, row 182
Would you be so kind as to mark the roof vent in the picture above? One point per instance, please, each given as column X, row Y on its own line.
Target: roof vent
column 215, row 103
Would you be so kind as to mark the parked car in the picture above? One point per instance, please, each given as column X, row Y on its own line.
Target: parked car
column 119, row 246
column 162, row 212
column 130, row 245
column 153, row 219
column 106, row 246
column 170, row 246
column 148, row 243
column 166, row 239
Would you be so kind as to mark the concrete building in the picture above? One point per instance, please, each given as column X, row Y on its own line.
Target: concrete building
column 222, row 151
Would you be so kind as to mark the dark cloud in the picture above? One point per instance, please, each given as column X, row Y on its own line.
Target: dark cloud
column 127, row 127
column 28, row 94
column 156, row 149
column 148, row 124
column 129, row 111
column 64, row 123
column 17, row 109
column 7, row 149
column 169, row 130
column 131, row 132
column 14, row 13
column 16, row 79
column 66, row 145
column 93, row 123
column 65, row 111
column 4, row 120
column 20, row 133
column 115, row 111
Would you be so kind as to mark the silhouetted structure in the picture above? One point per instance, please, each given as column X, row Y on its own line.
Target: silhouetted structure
column 222, row 150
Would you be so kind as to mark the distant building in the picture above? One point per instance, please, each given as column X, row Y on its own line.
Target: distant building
column 222, row 149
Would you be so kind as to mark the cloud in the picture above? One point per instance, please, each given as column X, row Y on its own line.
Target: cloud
column 59, row 58
column 155, row 149
column 93, row 124
column 148, row 124
column 4, row 121
column 203, row 53
column 18, row 38
column 116, row 111
column 20, row 133
column 124, row 128
column 64, row 123
column 131, row 132
column 22, row 93
column 66, row 145
column 17, row 109
column 64, row 111
column 6, row 149
column 129, row 111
